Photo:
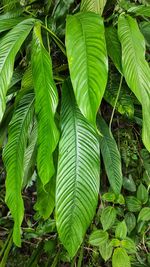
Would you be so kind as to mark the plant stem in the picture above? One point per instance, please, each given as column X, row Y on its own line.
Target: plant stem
column 116, row 100
column 56, row 39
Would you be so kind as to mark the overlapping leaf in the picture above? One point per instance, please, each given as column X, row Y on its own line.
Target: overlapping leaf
column 14, row 160
column 111, row 156
column 77, row 182
column 96, row 6
column 9, row 47
column 86, row 51
column 135, row 68
column 46, row 100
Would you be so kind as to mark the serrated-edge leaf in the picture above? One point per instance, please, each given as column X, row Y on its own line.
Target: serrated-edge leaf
column 14, row 160
column 108, row 217
column 144, row 214
column 120, row 258
column 77, row 183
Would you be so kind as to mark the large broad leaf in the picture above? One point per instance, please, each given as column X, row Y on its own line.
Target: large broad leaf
column 9, row 46
column 135, row 68
column 96, row 6
column 113, row 46
column 86, row 51
column 14, row 160
column 77, row 183
column 46, row 100
column 111, row 156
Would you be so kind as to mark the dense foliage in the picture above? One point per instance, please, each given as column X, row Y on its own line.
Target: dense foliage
column 74, row 133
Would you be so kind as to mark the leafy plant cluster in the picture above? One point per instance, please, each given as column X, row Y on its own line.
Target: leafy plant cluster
column 74, row 133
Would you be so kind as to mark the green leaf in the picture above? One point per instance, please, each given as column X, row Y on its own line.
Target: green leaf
column 120, row 258
column 106, row 250
column 46, row 100
column 9, row 46
column 124, row 104
column 111, row 156
column 98, row 237
column 121, row 230
column 113, row 46
column 135, row 68
column 130, row 220
column 144, row 27
column 62, row 8
column 115, row 242
column 140, row 10
column 144, row 214
column 13, row 156
column 109, row 197
column 30, row 155
column 129, row 245
column 86, row 52
column 133, row 204
column 129, row 184
column 108, row 217
column 8, row 23
column 78, row 174
column 96, row 6
column 120, row 199
column 45, row 198
column 142, row 193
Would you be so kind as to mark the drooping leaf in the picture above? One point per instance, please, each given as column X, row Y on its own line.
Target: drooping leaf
column 98, row 237
column 46, row 99
column 96, row 6
column 30, row 155
column 13, row 156
column 113, row 46
column 135, row 68
column 9, row 47
column 108, row 217
column 77, row 183
column 86, row 52
column 45, row 198
column 120, row 258
column 111, row 156
column 140, row 10
column 7, row 23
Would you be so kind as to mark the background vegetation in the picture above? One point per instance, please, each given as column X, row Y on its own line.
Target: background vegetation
column 74, row 133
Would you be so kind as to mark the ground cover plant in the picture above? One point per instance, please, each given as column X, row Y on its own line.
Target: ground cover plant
column 74, row 133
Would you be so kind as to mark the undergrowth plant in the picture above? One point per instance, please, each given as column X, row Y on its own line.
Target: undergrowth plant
column 74, row 107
